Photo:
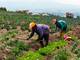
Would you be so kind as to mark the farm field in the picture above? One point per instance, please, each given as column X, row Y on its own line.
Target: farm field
column 14, row 32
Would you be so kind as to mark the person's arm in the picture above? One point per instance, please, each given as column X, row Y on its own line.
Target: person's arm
column 56, row 24
column 32, row 33
column 39, row 37
column 56, row 29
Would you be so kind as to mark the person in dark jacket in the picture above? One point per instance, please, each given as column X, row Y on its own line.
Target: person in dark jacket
column 42, row 31
column 61, row 25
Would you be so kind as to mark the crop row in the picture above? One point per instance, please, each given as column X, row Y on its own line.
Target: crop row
column 38, row 55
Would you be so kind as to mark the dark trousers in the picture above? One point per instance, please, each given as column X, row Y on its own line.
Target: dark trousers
column 45, row 37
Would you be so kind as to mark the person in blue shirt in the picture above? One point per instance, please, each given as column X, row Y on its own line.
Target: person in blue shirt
column 42, row 32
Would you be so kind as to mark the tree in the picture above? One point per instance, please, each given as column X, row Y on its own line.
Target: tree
column 69, row 15
column 3, row 9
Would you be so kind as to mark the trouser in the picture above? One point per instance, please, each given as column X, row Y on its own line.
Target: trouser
column 63, row 31
column 45, row 37
column 62, row 34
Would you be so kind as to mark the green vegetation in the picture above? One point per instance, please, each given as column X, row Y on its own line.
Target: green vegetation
column 19, row 49
column 31, row 56
column 51, row 47
column 18, row 46
column 15, row 47
column 61, row 55
column 42, row 51
column 8, row 35
column 10, row 20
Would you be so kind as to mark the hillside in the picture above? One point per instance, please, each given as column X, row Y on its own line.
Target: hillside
column 14, row 32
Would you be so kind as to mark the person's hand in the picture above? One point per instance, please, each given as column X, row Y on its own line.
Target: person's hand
column 27, row 38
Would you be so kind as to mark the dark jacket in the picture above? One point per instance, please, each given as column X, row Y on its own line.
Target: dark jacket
column 61, row 24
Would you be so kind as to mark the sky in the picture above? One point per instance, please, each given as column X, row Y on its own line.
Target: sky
column 42, row 5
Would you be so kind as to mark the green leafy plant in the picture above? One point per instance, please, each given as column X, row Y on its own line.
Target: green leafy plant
column 38, row 55
column 62, row 55
column 16, row 51
column 24, row 26
column 30, row 55
column 51, row 47
column 18, row 46
column 77, row 51
column 8, row 35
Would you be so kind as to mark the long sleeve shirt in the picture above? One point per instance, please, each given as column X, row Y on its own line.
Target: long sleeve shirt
column 40, row 30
